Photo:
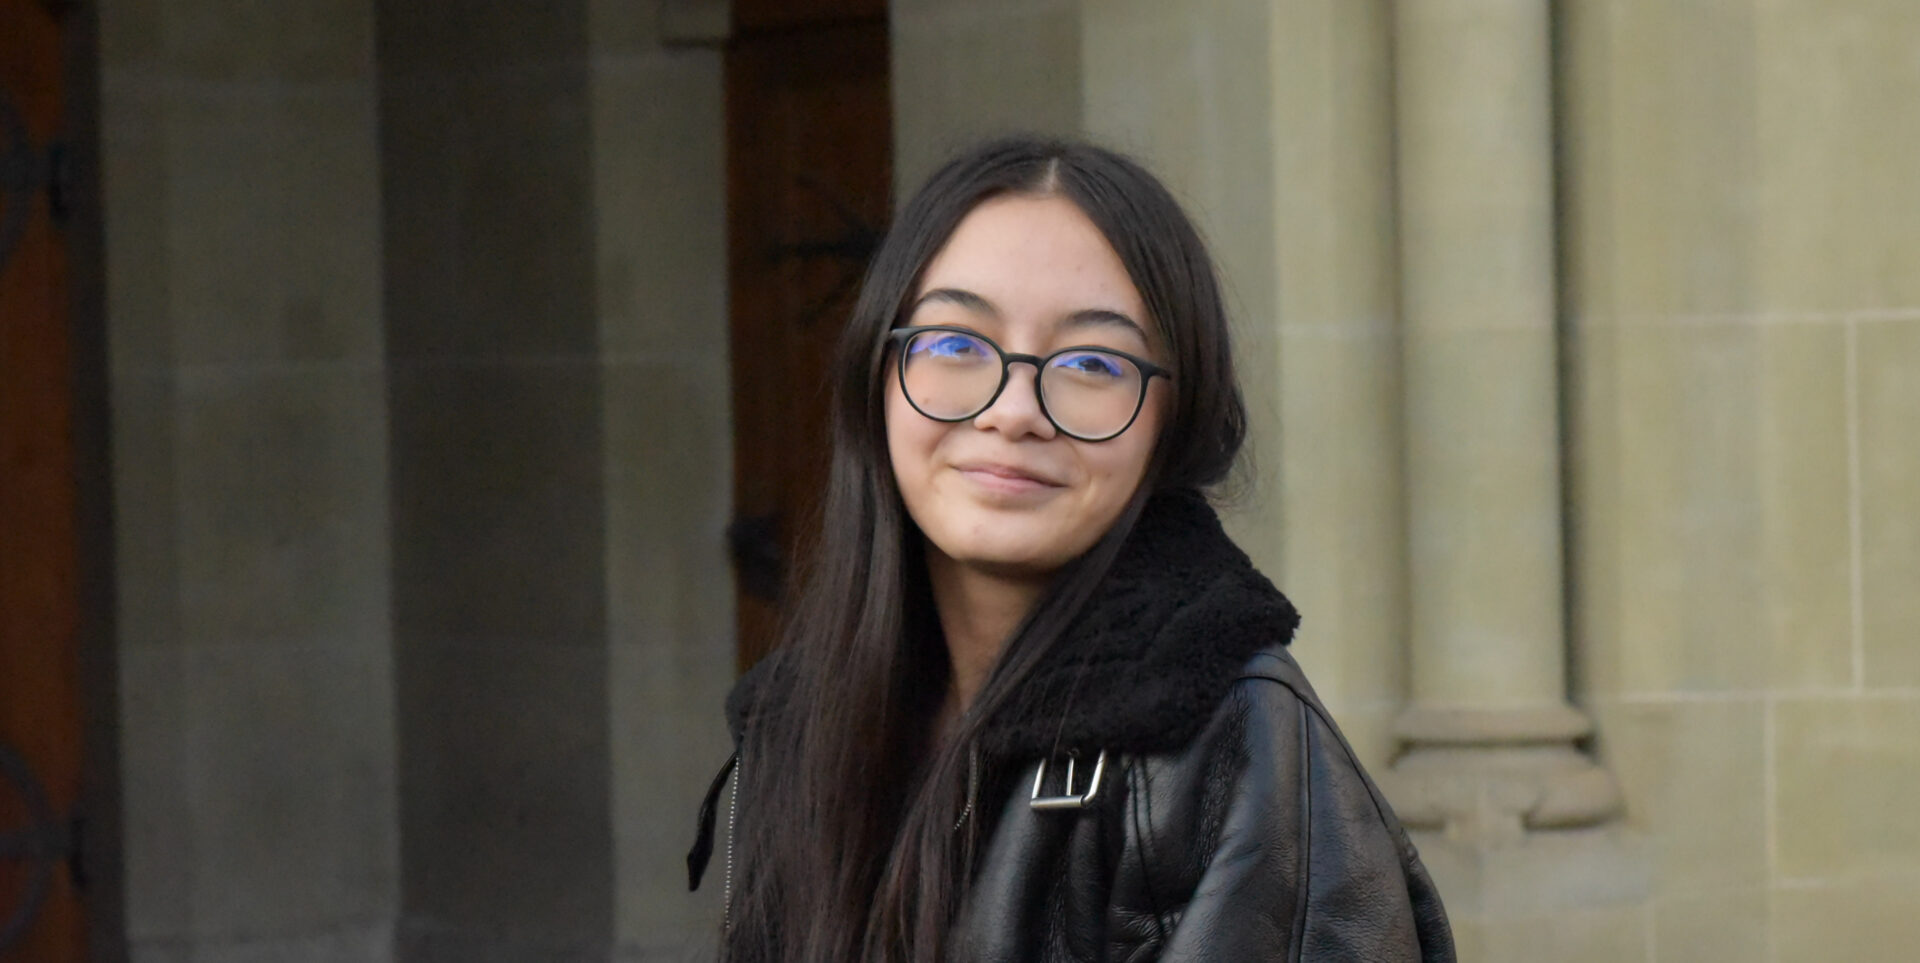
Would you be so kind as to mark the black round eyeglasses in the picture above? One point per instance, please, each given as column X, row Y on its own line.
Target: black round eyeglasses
column 1090, row 393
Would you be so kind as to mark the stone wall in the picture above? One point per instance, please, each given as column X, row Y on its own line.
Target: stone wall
column 500, row 596
column 421, row 443
column 1743, row 316
column 243, row 228
column 659, row 181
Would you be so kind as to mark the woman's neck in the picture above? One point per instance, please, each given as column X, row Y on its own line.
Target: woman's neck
column 978, row 612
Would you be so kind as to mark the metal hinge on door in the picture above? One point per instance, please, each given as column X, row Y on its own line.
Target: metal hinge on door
column 41, row 846
column 24, row 172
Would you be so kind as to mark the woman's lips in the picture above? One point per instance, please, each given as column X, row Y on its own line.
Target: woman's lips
column 1006, row 478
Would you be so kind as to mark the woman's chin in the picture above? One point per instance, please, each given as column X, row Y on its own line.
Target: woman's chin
column 1011, row 559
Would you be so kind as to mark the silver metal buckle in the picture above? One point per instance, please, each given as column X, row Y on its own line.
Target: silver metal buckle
column 1069, row 800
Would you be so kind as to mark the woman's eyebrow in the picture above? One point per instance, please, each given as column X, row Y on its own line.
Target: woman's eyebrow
column 1102, row 317
column 1083, row 318
column 966, row 299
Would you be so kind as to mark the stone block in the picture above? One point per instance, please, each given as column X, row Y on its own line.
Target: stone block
column 423, row 160
column 1719, row 927
column 420, row 942
column 251, row 41
column 671, row 619
column 282, row 512
column 1889, row 393
column 130, row 37
column 1833, row 91
column 1694, row 778
column 1332, row 138
column 159, row 951
column 1543, row 875
column 960, row 74
column 273, row 225
column 1575, row 936
column 668, row 503
column 706, row 22
column 498, row 210
column 1728, row 505
column 623, row 28
column 1869, row 919
column 668, row 740
column 146, row 536
column 1343, row 525
column 370, row 944
column 1333, row 527
column 1484, row 517
column 497, row 503
column 135, row 188
column 504, row 765
column 471, row 37
column 289, row 764
column 157, row 803
column 329, row 206
column 1848, row 770
column 660, row 205
column 1661, row 161
column 1801, row 474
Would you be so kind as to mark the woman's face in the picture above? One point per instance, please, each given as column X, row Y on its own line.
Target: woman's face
column 1006, row 491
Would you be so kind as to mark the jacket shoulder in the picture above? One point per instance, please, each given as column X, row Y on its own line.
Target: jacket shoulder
column 1273, row 694
column 1287, row 834
column 1276, row 664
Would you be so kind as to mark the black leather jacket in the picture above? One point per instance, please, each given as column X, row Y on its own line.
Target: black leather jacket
column 1262, row 839
column 1214, row 812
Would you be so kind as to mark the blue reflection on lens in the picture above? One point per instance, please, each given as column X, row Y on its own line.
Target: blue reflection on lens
column 947, row 344
column 1090, row 363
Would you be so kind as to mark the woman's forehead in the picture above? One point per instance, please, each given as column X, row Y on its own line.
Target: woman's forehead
column 959, row 304
column 1022, row 260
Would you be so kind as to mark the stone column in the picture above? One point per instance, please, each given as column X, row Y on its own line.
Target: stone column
column 1490, row 733
column 499, row 466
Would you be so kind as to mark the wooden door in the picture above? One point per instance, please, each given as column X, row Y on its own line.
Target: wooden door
column 809, row 173
column 40, row 670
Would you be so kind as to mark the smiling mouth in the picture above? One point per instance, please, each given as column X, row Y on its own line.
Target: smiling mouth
column 1006, row 478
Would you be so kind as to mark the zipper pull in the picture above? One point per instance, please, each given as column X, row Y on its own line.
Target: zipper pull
column 702, row 851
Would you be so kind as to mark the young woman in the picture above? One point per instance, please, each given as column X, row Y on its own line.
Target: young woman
column 1032, row 704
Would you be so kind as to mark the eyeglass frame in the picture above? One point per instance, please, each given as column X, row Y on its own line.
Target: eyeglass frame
column 1148, row 371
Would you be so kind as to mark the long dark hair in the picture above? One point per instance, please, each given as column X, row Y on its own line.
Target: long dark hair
column 847, row 846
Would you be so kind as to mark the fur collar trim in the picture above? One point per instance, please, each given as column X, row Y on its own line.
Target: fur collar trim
column 1154, row 651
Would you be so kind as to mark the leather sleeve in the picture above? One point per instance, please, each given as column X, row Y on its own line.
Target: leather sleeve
column 1265, row 840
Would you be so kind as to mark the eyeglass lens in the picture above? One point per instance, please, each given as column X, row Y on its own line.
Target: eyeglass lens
column 953, row 376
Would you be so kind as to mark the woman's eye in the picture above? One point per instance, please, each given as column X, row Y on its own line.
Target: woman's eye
column 1090, row 364
column 954, row 346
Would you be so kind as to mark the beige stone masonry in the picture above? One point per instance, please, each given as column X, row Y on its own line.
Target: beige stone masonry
column 1490, row 733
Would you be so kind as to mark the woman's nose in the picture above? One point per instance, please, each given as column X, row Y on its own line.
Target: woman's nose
column 1017, row 411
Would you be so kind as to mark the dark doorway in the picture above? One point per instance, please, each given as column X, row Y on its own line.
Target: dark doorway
column 56, row 765
column 809, row 174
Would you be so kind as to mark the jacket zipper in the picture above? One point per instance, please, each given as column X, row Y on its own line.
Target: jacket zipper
column 733, row 810
column 973, row 786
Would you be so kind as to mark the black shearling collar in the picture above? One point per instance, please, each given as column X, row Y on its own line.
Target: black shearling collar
column 1153, row 652
column 1155, row 649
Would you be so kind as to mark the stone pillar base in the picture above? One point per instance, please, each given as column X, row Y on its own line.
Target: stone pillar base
column 1487, row 777
column 1576, row 874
